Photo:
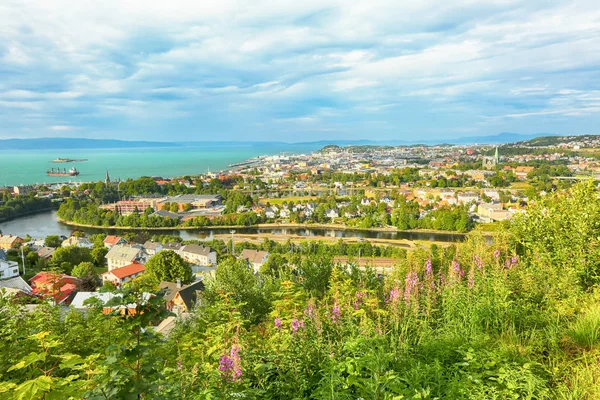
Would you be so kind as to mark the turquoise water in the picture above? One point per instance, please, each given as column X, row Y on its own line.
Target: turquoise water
column 24, row 167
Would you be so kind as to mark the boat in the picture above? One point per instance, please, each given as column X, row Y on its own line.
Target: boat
column 67, row 160
column 64, row 172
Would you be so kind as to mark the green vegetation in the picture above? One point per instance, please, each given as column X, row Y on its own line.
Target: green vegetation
column 12, row 207
column 515, row 319
column 169, row 266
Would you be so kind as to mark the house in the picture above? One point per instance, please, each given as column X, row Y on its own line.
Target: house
column 285, row 213
column 22, row 190
column 151, row 248
column 467, row 197
column 9, row 269
column 255, row 258
column 173, row 246
column 181, row 298
column 331, row 213
column 270, row 212
column 111, row 241
column 120, row 256
column 387, row 200
column 118, row 276
column 365, row 201
column 8, row 242
column 45, row 253
column 196, row 254
column 79, row 302
column 58, row 287
column 17, row 283
column 78, row 242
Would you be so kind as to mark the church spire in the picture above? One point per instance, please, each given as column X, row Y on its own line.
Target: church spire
column 496, row 156
column 107, row 179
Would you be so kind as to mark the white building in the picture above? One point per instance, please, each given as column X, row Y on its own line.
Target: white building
column 120, row 256
column 199, row 255
column 8, row 269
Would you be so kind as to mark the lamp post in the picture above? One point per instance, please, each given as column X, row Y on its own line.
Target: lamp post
column 232, row 245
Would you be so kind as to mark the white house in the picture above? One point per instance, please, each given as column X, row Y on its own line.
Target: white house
column 467, row 197
column 270, row 212
column 285, row 213
column 118, row 276
column 331, row 213
column 151, row 248
column 8, row 269
column 120, row 256
column 77, row 241
column 200, row 255
column 255, row 258
column 112, row 241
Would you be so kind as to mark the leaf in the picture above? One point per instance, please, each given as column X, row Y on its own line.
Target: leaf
column 28, row 390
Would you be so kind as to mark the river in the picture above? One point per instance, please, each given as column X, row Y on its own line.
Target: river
column 46, row 223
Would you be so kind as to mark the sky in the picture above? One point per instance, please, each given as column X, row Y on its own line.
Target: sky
column 298, row 70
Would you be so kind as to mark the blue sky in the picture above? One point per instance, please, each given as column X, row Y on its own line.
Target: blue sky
column 298, row 70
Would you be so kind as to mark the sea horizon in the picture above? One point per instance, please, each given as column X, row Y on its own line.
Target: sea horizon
column 28, row 167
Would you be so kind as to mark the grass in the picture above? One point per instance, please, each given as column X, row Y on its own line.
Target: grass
column 585, row 331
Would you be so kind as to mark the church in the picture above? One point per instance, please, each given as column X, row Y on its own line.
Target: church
column 490, row 162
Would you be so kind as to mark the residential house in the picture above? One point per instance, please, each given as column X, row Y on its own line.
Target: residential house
column 387, row 200
column 120, row 256
column 197, row 254
column 255, row 258
column 8, row 242
column 492, row 194
column 485, row 211
column 79, row 301
column 58, row 287
column 285, row 213
column 468, row 197
column 111, row 241
column 331, row 213
column 118, row 276
column 174, row 246
column 45, row 253
column 15, row 284
column 365, row 201
column 151, row 248
column 8, row 269
column 77, row 241
column 181, row 298
column 270, row 212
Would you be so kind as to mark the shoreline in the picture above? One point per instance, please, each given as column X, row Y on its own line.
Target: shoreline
column 26, row 214
column 336, row 227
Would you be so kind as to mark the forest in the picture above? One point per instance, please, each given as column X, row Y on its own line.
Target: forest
column 515, row 318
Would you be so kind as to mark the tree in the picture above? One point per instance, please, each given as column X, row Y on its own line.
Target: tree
column 67, row 257
column 174, row 207
column 98, row 255
column 88, row 278
column 52, row 241
column 169, row 266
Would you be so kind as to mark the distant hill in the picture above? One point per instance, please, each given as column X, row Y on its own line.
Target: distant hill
column 76, row 143
column 555, row 140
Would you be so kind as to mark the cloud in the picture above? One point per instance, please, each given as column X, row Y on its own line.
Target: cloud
column 61, row 128
column 272, row 69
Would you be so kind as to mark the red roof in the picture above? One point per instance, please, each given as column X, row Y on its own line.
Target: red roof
column 112, row 239
column 127, row 270
column 58, row 286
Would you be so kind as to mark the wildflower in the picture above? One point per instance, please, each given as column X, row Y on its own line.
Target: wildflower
column 335, row 313
column 356, row 305
column 457, row 271
column 236, row 372
column 394, row 296
column 479, row 262
column 471, row 283
column 179, row 365
column 225, row 366
column 428, row 267
column 514, row 260
column 496, row 253
column 411, row 283
column 278, row 323
column 297, row 324
column 309, row 311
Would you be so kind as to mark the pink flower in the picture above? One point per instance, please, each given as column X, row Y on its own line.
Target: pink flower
column 336, row 313
column 231, row 365
column 278, row 323
column 496, row 253
column 411, row 284
column 394, row 296
column 297, row 324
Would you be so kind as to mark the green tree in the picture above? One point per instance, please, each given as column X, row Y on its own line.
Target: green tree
column 168, row 266
column 52, row 241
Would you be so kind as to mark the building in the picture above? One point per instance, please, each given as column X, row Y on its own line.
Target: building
column 111, row 241
column 8, row 242
column 17, row 283
column 181, row 298
column 22, row 190
column 194, row 200
column 77, row 241
column 491, row 162
column 118, row 276
column 255, row 258
column 120, row 256
column 58, row 287
column 46, row 253
column 8, row 269
column 3, row 256
column 196, row 254
column 151, row 248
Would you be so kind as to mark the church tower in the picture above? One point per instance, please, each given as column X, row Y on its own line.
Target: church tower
column 107, row 179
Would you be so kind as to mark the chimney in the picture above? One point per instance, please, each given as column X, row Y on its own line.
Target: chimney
column 178, row 283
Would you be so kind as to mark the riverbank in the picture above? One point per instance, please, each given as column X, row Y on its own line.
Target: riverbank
column 335, row 227
column 27, row 214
